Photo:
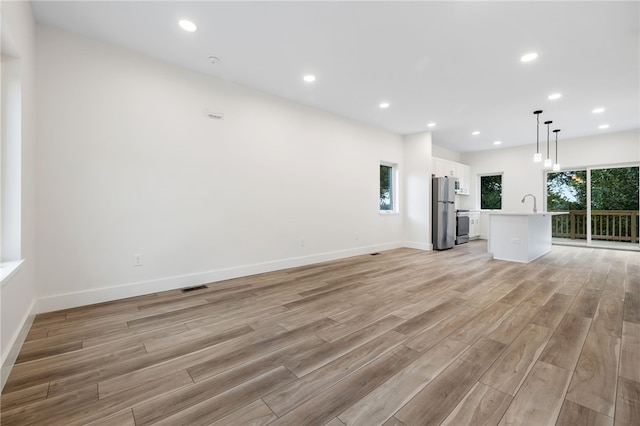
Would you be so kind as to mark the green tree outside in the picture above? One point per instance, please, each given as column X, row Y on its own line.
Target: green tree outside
column 567, row 191
column 611, row 189
column 491, row 192
column 386, row 182
column 614, row 189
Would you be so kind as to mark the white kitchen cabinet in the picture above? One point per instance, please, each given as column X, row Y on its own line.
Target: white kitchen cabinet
column 474, row 225
column 452, row 169
column 462, row 172
column 441, row 167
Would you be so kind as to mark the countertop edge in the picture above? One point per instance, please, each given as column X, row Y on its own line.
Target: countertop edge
column 527, row 214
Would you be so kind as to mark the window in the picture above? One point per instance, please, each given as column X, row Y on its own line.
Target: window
column 388, row 188
column 10, row 159
column 491, row 192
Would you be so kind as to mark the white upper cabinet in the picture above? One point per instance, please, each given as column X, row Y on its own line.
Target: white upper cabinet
column 465, row 176
column 448, row 168
column 441, row 167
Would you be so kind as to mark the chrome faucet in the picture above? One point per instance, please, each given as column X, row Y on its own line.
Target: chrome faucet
column 535, row 209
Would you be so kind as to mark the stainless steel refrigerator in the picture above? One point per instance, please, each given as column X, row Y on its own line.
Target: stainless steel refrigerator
column 443, row 213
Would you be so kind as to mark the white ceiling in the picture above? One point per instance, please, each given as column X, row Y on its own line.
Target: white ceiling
column 453, row 63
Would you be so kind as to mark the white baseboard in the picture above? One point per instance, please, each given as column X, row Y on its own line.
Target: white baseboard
column 15, row 344
column 123, row 291
column 418, row 246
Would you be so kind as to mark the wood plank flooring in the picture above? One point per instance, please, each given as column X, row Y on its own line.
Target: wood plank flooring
column 402, row 338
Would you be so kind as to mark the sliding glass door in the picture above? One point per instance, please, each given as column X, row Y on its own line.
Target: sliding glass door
column 603, row 206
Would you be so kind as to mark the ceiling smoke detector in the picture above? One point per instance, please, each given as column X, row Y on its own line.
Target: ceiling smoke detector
column 214, row 59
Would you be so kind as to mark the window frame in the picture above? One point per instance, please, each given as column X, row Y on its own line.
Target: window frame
column 10, row 164
column 395, row 199
column 479, row 201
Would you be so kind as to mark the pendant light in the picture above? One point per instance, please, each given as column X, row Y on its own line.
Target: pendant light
column 537, row 157
column 547, row 161
column 556, row 166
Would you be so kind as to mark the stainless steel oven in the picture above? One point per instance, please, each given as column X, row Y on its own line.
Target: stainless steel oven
column 462, row 226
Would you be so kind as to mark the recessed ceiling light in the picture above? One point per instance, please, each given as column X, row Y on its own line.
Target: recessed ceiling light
column 476, row 133
column 497, row 142
column 554, row 96
column 187, row 25
column 603, row 126
column 309, row 78
column 431, row 125
column 598, row 110
column 529, row 57
column 384, row 105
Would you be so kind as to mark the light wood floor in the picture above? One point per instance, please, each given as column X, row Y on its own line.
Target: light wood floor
column 405, row 337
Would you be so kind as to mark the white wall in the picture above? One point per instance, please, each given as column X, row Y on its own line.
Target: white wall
column 521, row 175
column 18, row 291
column 129, row 163
column 447, row 154
column 417, row 171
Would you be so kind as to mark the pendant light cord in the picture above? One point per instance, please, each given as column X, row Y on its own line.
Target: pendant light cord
column 537, row 113
column 547, row 123
column 556, row 132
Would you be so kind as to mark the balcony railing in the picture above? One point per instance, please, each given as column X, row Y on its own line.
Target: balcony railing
column 610, row 225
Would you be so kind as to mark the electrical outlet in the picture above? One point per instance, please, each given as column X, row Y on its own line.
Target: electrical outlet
column 356, row 236
column 515, row 241
column 301, row 242
column 137, row 260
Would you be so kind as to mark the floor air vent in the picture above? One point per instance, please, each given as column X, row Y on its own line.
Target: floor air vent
column 198, row 287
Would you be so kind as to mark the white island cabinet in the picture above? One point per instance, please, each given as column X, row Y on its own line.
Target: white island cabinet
column 519, row 237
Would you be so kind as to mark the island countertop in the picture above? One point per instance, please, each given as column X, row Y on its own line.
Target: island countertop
column 525, row 213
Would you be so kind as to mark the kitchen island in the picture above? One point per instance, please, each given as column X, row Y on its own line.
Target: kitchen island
column 520, row 236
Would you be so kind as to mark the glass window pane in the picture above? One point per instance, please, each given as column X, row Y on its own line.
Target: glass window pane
column 614, row 205
column 386, row 187
column 614, row 189
column 567, row 191
column 491, row 192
